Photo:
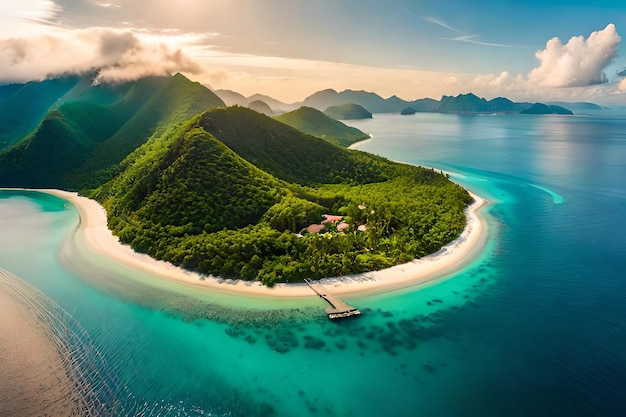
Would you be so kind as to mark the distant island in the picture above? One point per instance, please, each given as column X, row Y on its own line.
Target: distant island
column 540, row 108
column 226, row 191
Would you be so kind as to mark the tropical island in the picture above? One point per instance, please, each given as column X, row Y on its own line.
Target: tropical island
column 228, row 191
column 540, row 108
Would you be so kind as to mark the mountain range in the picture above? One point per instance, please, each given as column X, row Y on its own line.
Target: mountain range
column 88, row 129
column 372, row 102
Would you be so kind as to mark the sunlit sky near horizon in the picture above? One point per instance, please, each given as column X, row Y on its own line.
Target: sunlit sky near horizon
column 288, row 49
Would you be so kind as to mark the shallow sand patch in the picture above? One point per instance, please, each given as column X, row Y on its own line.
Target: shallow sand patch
column 33, row 377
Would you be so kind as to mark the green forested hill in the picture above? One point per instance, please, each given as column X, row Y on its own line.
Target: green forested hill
column 288, row 153
column 175, row 102
column 209, row 197
column 42, row 159
column 193, row 181
column 87, row 133
column 316, row 123
column 23, row 106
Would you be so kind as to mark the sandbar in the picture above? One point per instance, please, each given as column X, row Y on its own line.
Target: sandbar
column 97, row 238
column 33, row 376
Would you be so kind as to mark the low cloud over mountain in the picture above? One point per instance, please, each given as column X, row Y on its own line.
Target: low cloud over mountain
column 120, row 55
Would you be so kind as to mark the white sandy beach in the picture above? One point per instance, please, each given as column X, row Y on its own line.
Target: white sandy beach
column 98, row 238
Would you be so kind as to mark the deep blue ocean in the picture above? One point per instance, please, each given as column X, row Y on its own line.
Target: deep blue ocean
column 536, row 326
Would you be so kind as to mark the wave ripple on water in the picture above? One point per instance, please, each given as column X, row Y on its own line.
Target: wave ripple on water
column 49, row 364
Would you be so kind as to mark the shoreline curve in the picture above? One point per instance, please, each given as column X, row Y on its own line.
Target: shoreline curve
column 93, row 231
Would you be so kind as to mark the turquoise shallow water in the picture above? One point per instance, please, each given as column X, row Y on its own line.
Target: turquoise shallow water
column 535, row 326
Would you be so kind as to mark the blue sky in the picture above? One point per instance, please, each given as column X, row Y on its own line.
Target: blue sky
column 292, row 48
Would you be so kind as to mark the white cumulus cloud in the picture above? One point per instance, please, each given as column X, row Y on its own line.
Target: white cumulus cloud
column 119, row 55
column 577, row 63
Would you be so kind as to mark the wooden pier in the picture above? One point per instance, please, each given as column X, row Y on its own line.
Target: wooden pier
column 338, row 309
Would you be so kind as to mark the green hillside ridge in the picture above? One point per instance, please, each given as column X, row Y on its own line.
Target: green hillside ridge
column 316, row 123
column 348, row 111
column 40, row 162
column 139, row 93
column 23, row 106
column 97, row 122
column 176, row 101
column 189, row 197
column 103, row 94
column 217, row 188
column 289, row 154
column 95, row 114
column 92, row 137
